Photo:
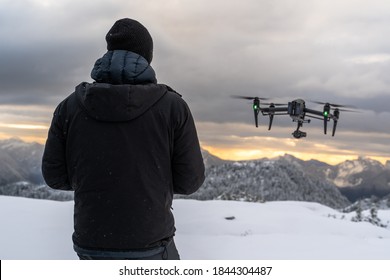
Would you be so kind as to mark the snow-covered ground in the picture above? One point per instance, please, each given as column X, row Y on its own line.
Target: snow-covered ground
column 41, row 229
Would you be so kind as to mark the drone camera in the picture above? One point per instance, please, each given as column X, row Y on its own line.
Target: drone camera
column 299, row 134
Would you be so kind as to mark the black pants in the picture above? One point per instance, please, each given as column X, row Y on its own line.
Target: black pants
column 168, row 252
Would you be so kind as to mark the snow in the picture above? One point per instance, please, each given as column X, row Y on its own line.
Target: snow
column 343, row 182
column 42, row 229
column 346, row 170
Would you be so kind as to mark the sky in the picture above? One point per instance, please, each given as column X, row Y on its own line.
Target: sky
column 329, row 51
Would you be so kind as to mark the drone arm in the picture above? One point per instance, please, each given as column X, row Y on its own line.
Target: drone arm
column 271, row 110
column 324, row 117
column 313, row 112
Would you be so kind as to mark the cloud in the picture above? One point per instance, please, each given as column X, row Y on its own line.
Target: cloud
column 330, row 51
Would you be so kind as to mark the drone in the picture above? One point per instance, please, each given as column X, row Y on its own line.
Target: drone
column 298, row 111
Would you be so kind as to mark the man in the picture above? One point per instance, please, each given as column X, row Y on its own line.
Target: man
column 125, row 144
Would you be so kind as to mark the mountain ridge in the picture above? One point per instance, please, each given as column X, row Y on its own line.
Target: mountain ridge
column 267, row 180
column 20, row 168
column 356, row 179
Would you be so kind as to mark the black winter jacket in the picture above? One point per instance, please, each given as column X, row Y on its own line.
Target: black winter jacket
column 124, row 149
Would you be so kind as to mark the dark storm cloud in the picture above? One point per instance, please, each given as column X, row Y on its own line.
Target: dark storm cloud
column 33, row 76
column 47, row 48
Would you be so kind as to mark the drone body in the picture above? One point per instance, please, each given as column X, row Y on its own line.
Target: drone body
column 298, row 111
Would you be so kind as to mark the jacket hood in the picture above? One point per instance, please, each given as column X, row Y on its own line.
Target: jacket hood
column 117, row 103
column 123, row 67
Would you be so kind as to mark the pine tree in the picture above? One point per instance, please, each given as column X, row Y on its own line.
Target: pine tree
column 374, row 219
column 359, row 215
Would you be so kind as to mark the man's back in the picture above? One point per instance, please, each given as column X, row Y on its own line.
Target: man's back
column 125, row 145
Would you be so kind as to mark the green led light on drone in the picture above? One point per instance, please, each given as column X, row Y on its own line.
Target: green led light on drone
column 326, row 114
column 255, row 107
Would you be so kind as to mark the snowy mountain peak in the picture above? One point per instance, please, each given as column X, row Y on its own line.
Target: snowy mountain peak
column 285, row 177
column 20, row 161
column 360, row 178
column 347, row 169
column 13, row 144
column 288, row 157
column 369, row 162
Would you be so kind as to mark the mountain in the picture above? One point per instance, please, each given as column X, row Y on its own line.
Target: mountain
column 283, row 178
column 369, row 203
column 211, row 160
column 20, row 161
column 356, row 179
column 352, row 173
column 267, row 180
column 30, row 190
column 20, row 171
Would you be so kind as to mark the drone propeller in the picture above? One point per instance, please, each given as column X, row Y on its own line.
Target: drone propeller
column 248, row 97
column 256, row 105
column 345, row 110
column 274, row 104
column 334, row 105
column 327, row 115
column 336, row 114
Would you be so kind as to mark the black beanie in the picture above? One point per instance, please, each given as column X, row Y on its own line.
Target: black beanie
column 130, row 35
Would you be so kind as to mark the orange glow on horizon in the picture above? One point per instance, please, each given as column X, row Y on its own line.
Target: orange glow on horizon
column 226, row 153
column 240, row 154
column 25, row 126
column 28, row 139
column 248, row 154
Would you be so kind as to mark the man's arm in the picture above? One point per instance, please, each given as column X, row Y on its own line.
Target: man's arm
column 54, row 169
column 187, row 163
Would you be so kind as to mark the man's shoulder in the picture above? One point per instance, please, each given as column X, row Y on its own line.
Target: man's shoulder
column 172, row 95
column 68, row 104
column 170, row 89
